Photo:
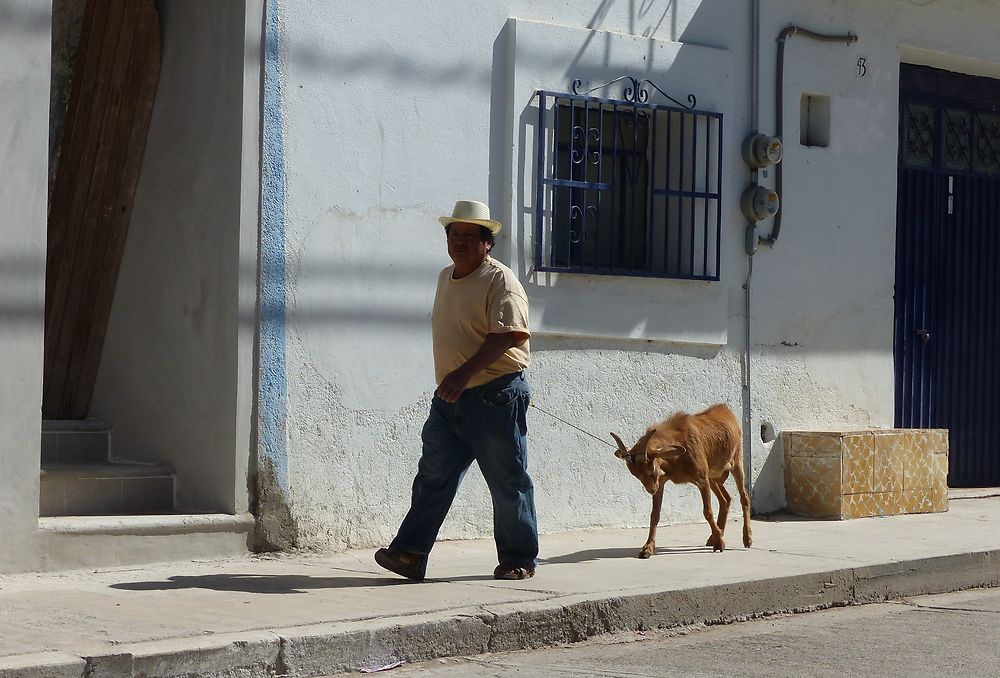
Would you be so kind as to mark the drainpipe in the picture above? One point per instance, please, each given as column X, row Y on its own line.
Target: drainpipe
column 779, row 116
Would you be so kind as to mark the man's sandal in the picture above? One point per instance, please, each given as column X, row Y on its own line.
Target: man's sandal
column 513, row 573
column 409, row 565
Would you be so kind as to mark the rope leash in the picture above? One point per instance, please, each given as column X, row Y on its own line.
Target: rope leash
column 600, row 440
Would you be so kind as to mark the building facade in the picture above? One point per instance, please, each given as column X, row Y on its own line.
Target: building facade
column 267, row 344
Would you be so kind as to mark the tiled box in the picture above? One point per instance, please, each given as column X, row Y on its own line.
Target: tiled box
column 858, row 474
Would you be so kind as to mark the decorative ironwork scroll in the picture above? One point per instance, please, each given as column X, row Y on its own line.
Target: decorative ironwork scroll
column 635, row 92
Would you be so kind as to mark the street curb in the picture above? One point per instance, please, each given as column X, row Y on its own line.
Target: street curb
column 350, row 646
column 250, row 654
column 570, row 619
column 42, row 665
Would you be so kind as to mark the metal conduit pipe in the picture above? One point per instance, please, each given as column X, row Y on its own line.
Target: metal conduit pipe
column 779, row 116
column 754, row 128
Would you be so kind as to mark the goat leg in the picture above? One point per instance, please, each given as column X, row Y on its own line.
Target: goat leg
column 715, row 541
column 654, row 518
column 725, row 500
column 744, row 501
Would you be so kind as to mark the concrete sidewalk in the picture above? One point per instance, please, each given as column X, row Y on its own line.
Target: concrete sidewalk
column 302, row 615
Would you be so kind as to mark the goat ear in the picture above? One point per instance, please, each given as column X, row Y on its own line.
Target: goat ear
column 670, row 451
column 622, row 451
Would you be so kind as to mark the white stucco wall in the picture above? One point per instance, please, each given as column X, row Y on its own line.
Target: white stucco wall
column 383, row 133
column 389, row 115
column 24, row 99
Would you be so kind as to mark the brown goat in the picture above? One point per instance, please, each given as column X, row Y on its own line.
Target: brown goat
column 698, row 448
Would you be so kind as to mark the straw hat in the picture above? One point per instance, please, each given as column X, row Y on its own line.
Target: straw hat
column 472, row 212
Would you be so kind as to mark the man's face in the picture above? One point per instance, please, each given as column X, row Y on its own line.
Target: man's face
column 465, row 245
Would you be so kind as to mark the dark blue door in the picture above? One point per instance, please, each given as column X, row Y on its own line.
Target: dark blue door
column 947, row 292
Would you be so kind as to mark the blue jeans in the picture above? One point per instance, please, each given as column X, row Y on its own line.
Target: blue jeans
column 487, row 424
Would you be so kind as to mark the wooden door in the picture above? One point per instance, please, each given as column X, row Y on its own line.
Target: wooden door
column 115, row 76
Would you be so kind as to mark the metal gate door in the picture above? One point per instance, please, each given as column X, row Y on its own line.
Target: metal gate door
column 947, row 294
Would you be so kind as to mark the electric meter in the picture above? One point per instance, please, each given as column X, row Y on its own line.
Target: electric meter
column 760, row 150
column 758, row 202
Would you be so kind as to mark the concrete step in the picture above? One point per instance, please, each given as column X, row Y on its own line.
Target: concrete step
column 91, row 489
column 74, row 542
column 75, row 441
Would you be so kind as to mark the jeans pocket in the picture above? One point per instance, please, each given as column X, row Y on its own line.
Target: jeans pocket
column 503, row 397
column 507, row 394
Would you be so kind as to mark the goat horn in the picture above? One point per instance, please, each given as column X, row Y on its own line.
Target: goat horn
column 621, row 445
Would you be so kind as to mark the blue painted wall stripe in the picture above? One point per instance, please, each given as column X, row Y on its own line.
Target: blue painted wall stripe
column 273, row 382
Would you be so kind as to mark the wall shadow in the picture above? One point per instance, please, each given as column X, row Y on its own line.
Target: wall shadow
column 501, row 137
column 770, row 481
column 16, row 18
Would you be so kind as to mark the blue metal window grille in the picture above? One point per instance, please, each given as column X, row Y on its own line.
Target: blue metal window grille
column 969, row 144
column 625, row 187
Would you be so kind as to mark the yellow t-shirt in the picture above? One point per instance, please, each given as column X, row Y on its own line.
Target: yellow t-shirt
column 488, row 300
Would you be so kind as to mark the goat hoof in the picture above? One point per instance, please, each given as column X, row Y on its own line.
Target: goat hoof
column 716, row 545
column 747, row 541
column 645, row 553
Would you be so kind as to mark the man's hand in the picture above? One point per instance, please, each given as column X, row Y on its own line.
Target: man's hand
column 451, row 387
column 453, row 384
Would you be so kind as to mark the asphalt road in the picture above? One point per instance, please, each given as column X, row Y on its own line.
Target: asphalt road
column 955, row 634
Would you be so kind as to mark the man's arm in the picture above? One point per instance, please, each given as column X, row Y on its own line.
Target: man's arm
column 493, row 347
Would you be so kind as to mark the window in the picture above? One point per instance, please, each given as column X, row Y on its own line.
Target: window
column 627, row 188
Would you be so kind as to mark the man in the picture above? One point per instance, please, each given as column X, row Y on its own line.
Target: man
column 480, row 335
